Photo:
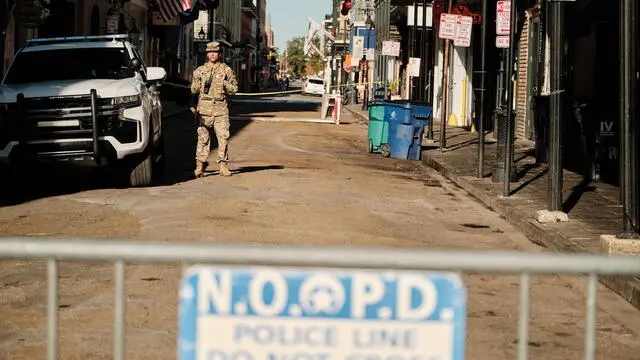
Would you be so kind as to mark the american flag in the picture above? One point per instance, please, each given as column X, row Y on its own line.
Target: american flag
column 169, row 9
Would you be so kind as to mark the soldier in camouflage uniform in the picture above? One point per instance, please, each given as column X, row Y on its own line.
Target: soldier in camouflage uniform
column 214, row 82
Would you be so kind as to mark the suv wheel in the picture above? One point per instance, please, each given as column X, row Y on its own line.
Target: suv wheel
column 160, row 158
column 142, row 173
column 142, row 170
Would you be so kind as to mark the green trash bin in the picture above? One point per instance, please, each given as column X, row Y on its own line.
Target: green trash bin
column 378, row 127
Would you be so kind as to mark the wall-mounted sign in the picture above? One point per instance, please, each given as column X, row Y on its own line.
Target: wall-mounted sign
column 112, row 23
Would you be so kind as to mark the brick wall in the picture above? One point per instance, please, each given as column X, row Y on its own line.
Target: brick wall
column 521, row 80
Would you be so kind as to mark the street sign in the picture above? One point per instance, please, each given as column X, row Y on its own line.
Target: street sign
column 502, row 42
column 447, row 26
column 464, row 24
column 391, row 48
column 370, row 54
column 503, row 17
column 413, row 67
column 346, row 65
column 358, row 50
column 265, row 313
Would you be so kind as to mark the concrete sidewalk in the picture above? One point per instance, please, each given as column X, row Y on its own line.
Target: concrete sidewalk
column 593, row 208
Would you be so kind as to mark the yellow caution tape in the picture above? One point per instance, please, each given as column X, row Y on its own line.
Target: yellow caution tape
column 240, row 94
column 273, row 92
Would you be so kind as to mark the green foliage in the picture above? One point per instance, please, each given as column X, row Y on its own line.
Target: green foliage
column 297, row 59
column 296, row 56
column 317, row 64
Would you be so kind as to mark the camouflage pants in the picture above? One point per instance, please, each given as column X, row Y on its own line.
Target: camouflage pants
column 221, row 126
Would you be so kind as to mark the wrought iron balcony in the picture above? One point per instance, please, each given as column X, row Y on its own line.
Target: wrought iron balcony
column 249, row 7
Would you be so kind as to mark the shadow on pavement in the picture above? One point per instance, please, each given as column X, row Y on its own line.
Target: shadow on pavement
column 181, row 140
column 258, row 108
column 243, row 170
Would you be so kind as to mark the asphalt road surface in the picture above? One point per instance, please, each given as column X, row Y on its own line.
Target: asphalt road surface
column 294, row 183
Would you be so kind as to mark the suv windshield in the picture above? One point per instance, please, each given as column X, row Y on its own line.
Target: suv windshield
column 317, row 82
column 70, row 64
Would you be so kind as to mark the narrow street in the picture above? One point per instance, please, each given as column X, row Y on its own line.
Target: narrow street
column 294, row 183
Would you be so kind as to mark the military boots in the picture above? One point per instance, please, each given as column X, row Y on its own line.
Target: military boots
column 224, row 170
column 199, row 171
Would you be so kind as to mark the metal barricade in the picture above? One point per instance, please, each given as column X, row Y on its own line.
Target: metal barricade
column 499, row 262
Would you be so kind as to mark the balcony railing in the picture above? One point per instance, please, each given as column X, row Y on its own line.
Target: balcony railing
column 248, row 6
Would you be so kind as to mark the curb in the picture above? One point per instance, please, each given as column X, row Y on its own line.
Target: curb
column 626, row 287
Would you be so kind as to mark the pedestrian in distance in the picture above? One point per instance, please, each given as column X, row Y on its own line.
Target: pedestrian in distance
column 213, row 83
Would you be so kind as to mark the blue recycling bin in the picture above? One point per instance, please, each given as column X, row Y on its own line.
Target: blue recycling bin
column 398, row 112
column 405, row 136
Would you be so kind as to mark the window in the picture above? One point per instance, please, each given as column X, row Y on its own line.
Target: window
column 316, row 82
column 70, row 64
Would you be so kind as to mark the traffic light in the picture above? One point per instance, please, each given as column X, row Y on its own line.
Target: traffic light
column 346, row 6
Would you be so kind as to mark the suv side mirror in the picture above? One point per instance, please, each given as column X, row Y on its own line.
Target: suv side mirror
column 135, row 64
column 156, row 74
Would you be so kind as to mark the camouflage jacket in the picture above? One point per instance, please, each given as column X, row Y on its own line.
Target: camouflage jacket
column 223, row 84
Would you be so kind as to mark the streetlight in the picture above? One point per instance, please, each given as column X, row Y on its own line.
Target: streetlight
column 202, row 34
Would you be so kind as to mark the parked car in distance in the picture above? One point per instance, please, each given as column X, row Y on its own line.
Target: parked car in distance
column 313, row 86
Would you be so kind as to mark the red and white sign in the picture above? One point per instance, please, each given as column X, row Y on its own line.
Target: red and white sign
column 447, row 26
column 503, row 17
column 502, row 42
column 464, row 24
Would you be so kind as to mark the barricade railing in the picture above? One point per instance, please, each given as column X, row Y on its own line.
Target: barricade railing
column 498, row 262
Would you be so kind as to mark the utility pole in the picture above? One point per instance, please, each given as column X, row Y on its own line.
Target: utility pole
column 509, row 129
column 424, row 56
column 258, row 42
column 556, row 106
column 445, row 88
column 482, row 90
column 629, row 128
column 334, row 73
column 412, row 52
column 504, row 170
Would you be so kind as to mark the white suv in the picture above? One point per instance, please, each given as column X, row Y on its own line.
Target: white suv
column 86, row 100
column 313, row 86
